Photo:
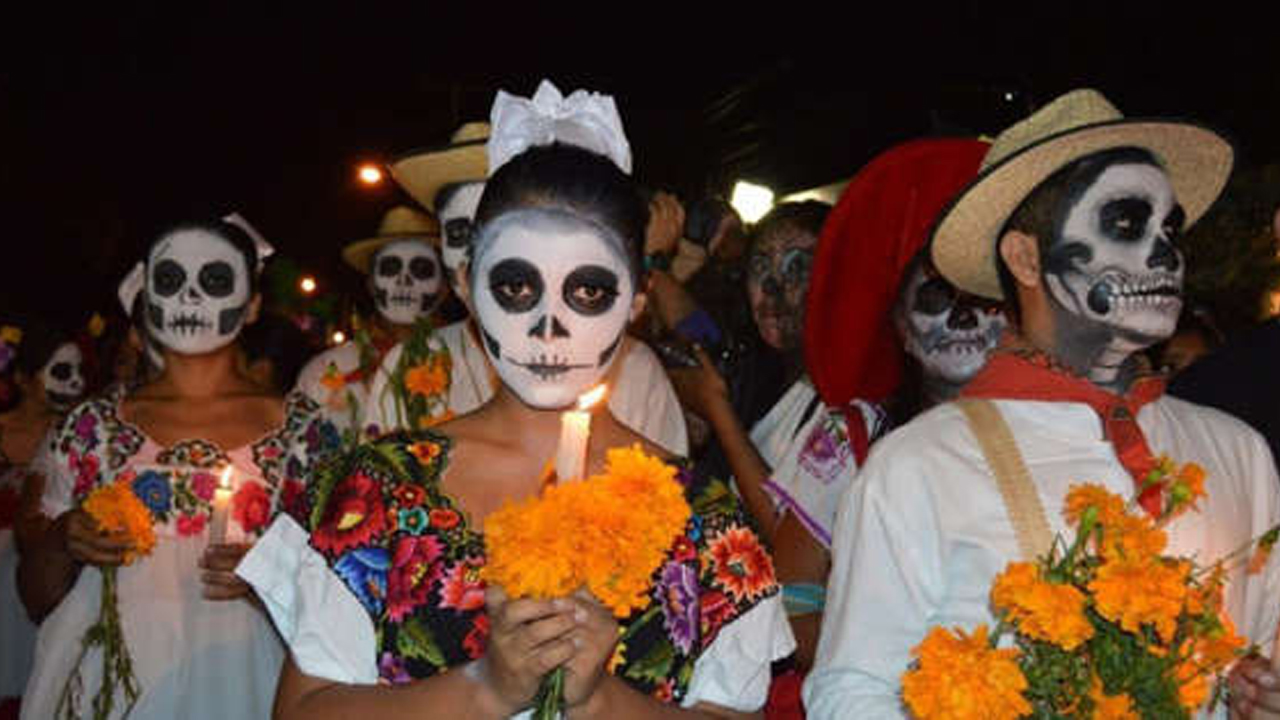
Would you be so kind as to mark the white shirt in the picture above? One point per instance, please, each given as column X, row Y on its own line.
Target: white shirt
column 642, row 397
column 806, row 446
column 923, row 532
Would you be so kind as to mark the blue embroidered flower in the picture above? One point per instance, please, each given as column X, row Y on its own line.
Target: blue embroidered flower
column 153, row 489
column 414, row 520
column 695, row 531
column 364, row 570
column 677, row 590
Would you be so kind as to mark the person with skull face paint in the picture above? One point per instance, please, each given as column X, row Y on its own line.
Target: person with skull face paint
column 41, row 374
column 200, row 649
column 1079, row 209
column 947, row 334
column 360, row 383
column 554, row 281
column 450, row 180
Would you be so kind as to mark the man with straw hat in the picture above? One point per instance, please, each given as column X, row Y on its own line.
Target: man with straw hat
column 450, row 180
column 406, row 283
column 1073, row 220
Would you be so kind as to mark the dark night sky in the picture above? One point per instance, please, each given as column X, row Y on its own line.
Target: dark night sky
column 113, row 123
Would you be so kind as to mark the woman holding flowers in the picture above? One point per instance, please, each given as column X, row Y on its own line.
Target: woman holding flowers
column 393, row 600
column 151, row 497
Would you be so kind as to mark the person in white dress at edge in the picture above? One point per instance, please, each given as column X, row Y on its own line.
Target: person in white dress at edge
column 201, row 649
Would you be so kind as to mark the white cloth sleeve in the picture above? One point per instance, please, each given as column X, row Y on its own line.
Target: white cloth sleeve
column 735, row 671
column 59, row 485
column 324, row 626
column 884, row 587
column 645, row 401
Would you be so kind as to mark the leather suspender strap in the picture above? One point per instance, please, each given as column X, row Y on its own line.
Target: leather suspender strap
column 1016, row 488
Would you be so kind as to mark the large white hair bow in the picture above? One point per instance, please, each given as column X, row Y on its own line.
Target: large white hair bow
column 585, row 119
column 133, row 283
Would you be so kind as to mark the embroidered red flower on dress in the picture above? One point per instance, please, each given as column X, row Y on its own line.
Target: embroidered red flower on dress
column 462, row 588
column 415, row 567
column 409, row 495
column 742, row 565
column 715, row 609
column 353, row 515
column 477, row 638
column 251, row 507
column 683, row 549
column 189, row 525
column 444, row 518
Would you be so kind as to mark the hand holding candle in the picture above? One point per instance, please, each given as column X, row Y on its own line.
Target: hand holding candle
column 575, row 431
column 221, row 507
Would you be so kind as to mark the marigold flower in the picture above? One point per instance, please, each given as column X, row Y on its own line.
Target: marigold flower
column 1133, row 537
column 1042, row 610
column 1136, row 593
column 1091, row 495
column 1111, row 707
column 961, row 677
column 609, row 533
column 428, row 379
column 120, row 512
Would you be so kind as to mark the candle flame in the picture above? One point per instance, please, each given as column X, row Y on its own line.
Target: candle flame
column 591, row 397
column 225, row 481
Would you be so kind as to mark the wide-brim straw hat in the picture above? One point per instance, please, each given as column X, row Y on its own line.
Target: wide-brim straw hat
column 1197, row 159
column 422, row 173
column 399, row 223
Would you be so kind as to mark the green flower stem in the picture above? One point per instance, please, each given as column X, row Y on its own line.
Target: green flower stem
column 549, row 701
column 117, row 664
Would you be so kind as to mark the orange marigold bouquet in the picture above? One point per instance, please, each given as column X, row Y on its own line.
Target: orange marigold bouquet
column 121, row 514
column 1109, row 627
column 608, row 534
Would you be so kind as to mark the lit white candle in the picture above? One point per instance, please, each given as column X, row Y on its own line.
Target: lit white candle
column 221, row 505
column 575, row 431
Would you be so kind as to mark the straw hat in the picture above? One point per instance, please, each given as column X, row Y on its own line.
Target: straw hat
column 399, row 223
column 423, row 172
column 1077, row 124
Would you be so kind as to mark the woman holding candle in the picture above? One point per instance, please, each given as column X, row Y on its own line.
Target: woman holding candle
column 199, row 649
column 395, row 546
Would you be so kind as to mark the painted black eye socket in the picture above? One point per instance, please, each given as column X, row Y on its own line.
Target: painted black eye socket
column 422, row 268
column 1174, row 223
column 796, row 264
column 591, row 289
column 758, row 266
column 217, row 279
column 516, row 285
column 389, row 266
column 934, row 297
column 457, row 232
column 168, row 278
column 61, row 371
column 1125, row 219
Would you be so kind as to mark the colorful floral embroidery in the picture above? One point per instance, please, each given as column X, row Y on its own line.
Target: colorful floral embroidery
column 827, row 451
column 420, row 581
column 95, row 446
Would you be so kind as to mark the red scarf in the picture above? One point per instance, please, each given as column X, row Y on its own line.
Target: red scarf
column 1018, row 372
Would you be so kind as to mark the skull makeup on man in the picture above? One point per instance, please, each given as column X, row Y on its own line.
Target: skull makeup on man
column 63, row 377
column 1107, row 226
column 947, row 331
column 405, row 280
column 199, row 288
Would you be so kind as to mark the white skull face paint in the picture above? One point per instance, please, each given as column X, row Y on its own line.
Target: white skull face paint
column 1115, row 261
column 63, row 376
column 456, row 217
column 406, row 280
column 552, row 296
column 948, row 332
column 197, row 291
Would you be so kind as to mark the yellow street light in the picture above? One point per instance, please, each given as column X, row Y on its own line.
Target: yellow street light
column 339, row 337
column 370, row 174
column 751, row 201
column 307, row 285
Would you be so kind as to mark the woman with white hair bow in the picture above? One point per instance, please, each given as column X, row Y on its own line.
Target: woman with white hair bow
column 388, row 619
